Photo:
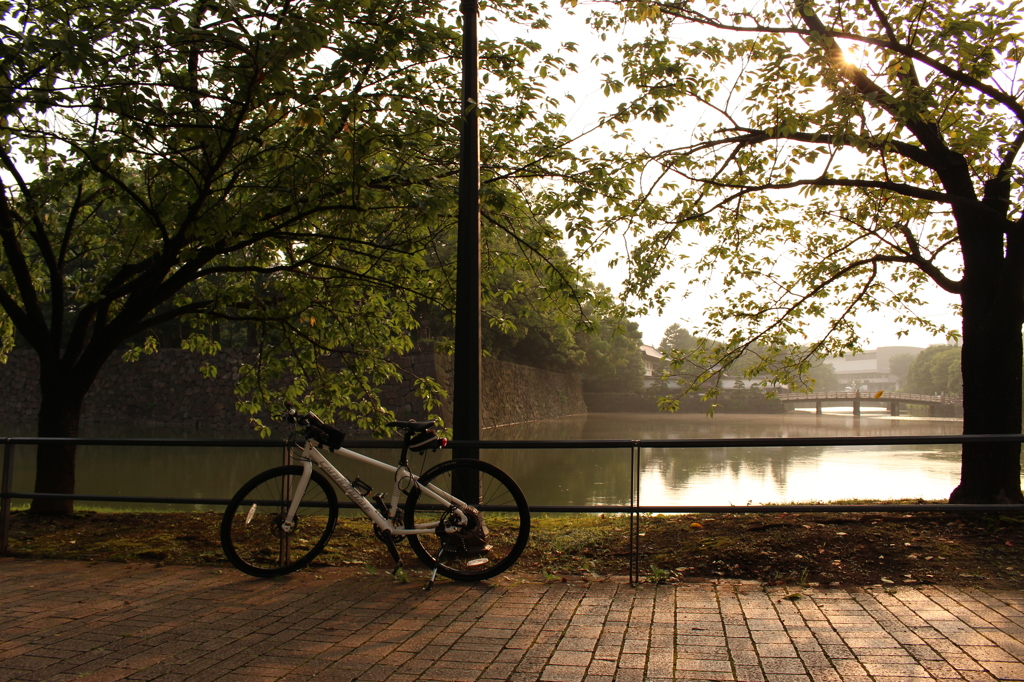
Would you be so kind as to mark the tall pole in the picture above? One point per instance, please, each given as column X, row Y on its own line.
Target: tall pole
column 466, row 388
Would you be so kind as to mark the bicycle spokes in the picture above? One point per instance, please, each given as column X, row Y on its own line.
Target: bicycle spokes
column 468, row 542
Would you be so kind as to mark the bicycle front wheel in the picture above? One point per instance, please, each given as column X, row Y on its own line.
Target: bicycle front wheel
column 253, row 533
column 473, row 544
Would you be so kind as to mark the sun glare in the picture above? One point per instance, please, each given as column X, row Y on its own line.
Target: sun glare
column 847, row 53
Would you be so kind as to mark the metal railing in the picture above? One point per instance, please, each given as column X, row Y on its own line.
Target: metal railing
column 636, row 447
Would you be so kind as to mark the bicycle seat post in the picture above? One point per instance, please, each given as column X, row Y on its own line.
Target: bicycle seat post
column 403, row 460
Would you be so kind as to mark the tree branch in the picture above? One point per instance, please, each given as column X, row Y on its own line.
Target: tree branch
column 927, row 265
column 34, row 329
column 685, row 13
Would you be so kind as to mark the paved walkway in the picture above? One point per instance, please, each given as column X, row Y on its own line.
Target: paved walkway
column 103, row 621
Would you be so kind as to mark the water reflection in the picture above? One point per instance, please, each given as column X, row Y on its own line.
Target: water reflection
column 736, row 475
column 582, row 476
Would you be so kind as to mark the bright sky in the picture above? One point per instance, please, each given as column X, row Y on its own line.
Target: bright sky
column 877, row 328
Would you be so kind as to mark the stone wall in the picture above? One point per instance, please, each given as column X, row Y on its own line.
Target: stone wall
column 167, row 390
column 510, row 393
column 164, row 389
column 515, row 393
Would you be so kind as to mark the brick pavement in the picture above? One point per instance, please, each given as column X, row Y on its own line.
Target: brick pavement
column 105, row 621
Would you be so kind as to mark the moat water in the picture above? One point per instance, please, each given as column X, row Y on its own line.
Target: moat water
column 582, row 476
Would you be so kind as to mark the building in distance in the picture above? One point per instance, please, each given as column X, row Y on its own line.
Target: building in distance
column 874, row 370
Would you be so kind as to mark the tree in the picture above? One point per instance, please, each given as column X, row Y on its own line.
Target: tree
column 689, row 361
column 935, row 370
column 843, row 156
column 613, row 361
column 682, row 366
column 532, row 304
column 678, row 365
column 899, row 366
column 824, row 377
column 676, row 338
column 281, row 164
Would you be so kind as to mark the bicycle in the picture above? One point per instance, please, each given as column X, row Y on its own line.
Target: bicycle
column 464, row 518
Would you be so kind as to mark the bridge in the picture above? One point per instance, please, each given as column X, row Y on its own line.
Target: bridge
column 943, row 406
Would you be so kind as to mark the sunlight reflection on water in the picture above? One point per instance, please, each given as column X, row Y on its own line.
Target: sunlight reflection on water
column 737, row 475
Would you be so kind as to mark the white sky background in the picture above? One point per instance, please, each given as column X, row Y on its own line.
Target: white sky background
column 684, row 308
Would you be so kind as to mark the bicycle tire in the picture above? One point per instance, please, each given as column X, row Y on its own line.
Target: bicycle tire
column 491, row 542
column 250, row 532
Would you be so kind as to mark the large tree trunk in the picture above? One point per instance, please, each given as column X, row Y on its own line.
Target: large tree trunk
column 991, row 367
column 59, row 412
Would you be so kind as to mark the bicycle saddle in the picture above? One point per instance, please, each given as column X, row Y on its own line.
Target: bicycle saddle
column 412, row 425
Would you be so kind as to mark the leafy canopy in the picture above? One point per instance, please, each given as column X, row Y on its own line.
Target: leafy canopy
column 825, row 158
column 288, row 166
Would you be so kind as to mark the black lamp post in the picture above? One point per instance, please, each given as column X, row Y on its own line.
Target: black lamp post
column 468, row 346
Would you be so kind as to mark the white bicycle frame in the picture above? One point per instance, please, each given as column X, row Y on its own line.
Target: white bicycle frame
column 400, row 473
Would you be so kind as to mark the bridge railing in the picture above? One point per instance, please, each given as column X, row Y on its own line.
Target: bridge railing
column 866, row 395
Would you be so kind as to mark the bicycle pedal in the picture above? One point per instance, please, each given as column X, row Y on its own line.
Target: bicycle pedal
column 389, row 542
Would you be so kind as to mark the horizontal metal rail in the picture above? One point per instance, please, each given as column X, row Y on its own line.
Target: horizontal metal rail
column 8, row 494
column 550, row 444
column 635, row 447
column 739, row 442
column 186, row 442
column 824, row 507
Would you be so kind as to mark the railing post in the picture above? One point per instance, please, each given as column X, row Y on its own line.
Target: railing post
column 634, row 513
column 5, row 496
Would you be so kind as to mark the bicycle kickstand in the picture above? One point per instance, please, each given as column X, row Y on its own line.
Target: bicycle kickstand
column 437, row 562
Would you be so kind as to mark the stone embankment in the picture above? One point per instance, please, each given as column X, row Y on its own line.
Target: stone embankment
column 167, row 390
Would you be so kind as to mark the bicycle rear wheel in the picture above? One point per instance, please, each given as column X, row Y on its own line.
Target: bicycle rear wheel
column 492, row 534
column 251, row 531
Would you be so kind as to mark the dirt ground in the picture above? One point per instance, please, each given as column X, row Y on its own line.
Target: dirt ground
column 801, row 549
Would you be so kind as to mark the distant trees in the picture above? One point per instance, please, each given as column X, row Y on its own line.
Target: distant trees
column 936, row 370
column 899, row 367
column 824, row 377
column 676, row 338
column 613, row 360
column 691, row 363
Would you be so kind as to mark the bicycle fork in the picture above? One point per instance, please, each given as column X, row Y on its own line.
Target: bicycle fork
column 288, row 524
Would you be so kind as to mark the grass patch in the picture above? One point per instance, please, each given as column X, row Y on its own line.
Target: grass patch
column 801, row 549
